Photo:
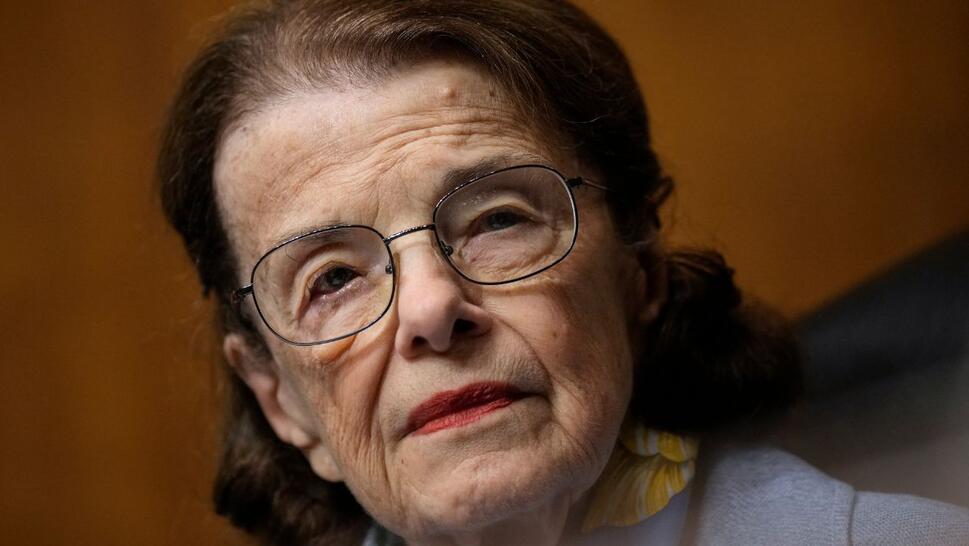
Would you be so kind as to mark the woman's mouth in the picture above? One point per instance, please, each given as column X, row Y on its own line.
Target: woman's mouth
column 449, row 409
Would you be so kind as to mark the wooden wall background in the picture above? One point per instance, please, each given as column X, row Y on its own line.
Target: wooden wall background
column 815, row 143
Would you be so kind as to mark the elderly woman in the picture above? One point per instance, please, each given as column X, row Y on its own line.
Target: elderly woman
column 447, row 315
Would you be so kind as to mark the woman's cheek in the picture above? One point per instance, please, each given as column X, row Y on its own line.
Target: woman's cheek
column 342, row 386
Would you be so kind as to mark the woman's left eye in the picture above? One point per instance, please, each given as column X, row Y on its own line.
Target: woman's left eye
column 499, row 220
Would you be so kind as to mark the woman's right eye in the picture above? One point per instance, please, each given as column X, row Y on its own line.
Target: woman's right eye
column 332, row 281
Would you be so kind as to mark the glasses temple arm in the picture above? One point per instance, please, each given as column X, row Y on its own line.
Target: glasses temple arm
column 654, row 216
column 579, row 181
column 241, row 293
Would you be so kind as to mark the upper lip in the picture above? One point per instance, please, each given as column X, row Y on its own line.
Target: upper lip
column 447, row 402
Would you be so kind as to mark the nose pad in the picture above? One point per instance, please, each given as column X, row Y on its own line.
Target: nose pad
column 433, row 310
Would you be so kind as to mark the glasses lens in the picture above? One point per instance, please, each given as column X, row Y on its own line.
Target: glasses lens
column 508, row 225
column 325, row 285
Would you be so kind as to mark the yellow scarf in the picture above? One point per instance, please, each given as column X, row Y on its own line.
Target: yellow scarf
column 646, row 469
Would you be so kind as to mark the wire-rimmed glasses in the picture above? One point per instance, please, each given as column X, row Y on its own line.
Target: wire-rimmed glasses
column 334, row 282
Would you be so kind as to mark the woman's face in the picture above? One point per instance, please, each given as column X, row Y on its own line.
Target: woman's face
column 378, row 155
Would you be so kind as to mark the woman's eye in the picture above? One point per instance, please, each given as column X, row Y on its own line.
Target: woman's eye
column 499, row 220
column 332, row 281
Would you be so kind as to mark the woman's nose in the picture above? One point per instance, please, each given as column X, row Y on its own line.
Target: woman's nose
column 433, row 309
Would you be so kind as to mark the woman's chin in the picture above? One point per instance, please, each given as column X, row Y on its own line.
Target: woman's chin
column 484, row 492
column 495, row 486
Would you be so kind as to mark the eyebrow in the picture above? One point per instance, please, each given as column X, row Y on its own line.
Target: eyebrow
column 455, row 177
column 451, row 179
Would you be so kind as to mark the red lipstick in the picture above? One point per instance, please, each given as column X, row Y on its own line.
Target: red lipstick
column 460, row 407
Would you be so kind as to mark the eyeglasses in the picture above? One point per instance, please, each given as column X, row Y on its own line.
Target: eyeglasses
column 499, row 228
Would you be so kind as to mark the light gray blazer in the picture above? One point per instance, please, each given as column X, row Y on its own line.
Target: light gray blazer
column 761, row 496
column 754, row 496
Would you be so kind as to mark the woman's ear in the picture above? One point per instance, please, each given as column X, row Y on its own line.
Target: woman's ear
column 278, row 401
column 651, row 280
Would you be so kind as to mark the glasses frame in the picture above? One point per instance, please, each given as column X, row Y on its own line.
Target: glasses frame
column 570, row 184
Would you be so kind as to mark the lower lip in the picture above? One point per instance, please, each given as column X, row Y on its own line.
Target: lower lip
column 463, row 417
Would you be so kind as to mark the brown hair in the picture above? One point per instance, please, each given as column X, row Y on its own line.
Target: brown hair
column 717, row 358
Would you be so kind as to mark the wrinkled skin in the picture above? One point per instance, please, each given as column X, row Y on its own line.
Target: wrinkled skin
column 376, row 154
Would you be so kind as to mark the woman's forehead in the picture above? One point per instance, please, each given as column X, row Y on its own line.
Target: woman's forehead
column 363, row 154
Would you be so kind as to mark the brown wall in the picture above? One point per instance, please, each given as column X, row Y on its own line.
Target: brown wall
column 814, row 143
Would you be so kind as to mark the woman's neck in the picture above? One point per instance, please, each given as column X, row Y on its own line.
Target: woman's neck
column 549, row 525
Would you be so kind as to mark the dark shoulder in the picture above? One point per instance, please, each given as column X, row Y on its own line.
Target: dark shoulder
column 761, row 495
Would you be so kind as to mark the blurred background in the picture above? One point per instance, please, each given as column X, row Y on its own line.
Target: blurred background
column 815, row 143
